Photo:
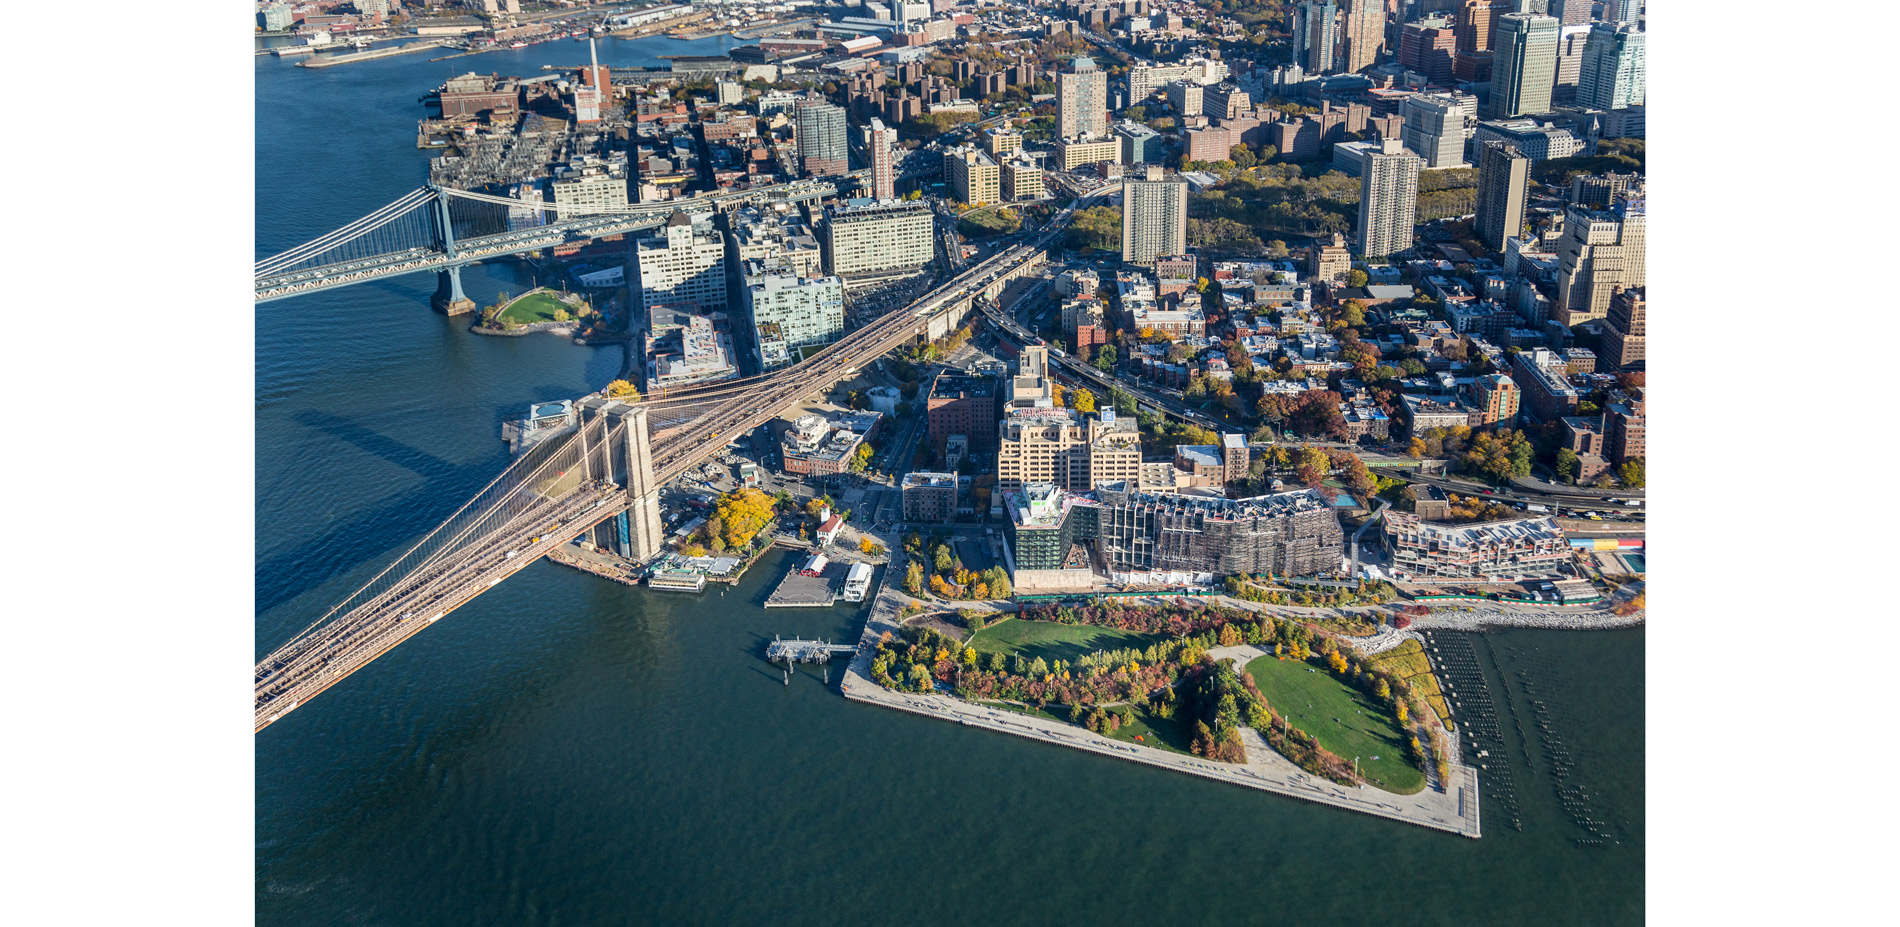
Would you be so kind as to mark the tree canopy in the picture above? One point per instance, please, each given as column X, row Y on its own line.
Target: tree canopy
column 737, row 518
column 1098, row 227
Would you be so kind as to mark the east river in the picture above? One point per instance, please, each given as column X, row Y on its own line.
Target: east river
column 566, row 750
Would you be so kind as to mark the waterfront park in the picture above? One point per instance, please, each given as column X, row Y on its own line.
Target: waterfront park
column 1188, row 679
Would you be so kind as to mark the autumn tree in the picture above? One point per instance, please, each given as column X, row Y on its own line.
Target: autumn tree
column 1567, row 464
column 738, row 517
column 1499, row 455
column 622, row 389
column 997, row 579
column 1632, row 472
column 1353, row 313
column 1081, row 400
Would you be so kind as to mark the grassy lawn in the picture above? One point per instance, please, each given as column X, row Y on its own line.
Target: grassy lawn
column 1408, row 662
column 535, row 307
column 1166, row 734
column 1060, row 713
column 1343, row 720
column 1052, row 640
column 1353, row 626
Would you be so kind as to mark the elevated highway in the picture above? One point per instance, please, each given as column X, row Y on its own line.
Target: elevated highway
column 607, row 465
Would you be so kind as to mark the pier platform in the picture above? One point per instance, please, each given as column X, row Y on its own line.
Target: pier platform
column 1454, row 809
column 603, row 565
column 324, row 61
column 799, row 589
column 804, row 651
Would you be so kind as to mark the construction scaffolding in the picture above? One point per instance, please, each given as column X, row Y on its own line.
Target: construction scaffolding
column 1287, row 533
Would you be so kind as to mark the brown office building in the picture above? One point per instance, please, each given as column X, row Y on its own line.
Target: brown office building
column 1623, row 343
column 1625, row 429
column 963, row 405
column 1497, row 399
column 929, row 497
column 1473, row 28
column 1503, row 178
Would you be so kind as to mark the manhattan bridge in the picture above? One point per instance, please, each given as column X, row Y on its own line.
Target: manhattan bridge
column 611, row 461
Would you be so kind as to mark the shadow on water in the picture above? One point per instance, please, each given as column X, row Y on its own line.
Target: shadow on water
column 420, row 462
column 342, row 546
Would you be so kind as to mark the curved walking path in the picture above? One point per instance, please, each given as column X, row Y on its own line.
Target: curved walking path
column 1454, row 810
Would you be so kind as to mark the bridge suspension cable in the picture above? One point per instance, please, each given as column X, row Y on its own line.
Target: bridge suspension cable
column 592, row 209
column 284, row 260
column 519, row 486
column 553, row 491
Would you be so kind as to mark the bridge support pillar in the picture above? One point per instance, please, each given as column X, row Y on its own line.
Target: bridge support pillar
column 449, row 299
column 644, row 530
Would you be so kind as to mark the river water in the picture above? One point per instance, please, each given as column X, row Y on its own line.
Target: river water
column 566, row 750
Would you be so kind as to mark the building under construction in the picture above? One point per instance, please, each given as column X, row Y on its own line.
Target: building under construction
column 1289, row 533
column 1498, row 551
column 1165, row 538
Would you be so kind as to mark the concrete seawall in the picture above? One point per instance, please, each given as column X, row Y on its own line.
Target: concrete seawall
column 1454, row 810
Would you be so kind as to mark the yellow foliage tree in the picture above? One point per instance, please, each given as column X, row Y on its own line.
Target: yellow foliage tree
column 741, row 515
column 1400, row 710
column 622, row 389
column 1082, row 401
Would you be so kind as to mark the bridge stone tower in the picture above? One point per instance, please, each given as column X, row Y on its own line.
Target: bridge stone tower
column 630, row 464
column 645, row 531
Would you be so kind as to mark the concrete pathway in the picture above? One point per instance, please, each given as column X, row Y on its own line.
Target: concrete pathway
column 1454, row 810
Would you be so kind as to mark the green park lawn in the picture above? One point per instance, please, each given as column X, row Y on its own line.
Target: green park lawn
column 535, row 307
column 1165, row 734
column 1343, row 720
column 1061, row 714
column 1162, row 733
column 1053, row 640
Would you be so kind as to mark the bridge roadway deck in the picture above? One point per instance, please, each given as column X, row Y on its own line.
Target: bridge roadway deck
column 419, row 259
column 416, row 260
column 735, row 416
column 685, row 449
column 377, row 626
column 299, row 671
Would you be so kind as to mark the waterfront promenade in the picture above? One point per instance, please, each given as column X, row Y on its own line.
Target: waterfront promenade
column 1454, row 810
